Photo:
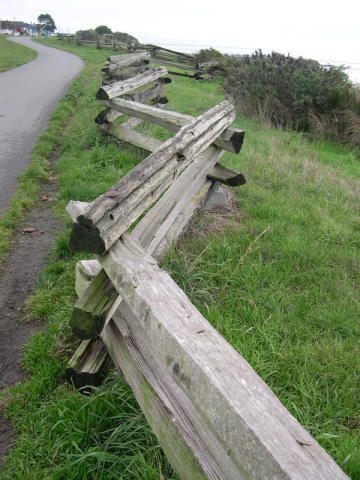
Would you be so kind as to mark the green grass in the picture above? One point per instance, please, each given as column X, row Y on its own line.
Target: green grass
column 280, row 283
column 13, row 54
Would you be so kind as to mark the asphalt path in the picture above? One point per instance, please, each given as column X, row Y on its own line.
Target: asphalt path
column 28, row 95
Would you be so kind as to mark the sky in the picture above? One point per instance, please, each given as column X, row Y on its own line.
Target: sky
column 326, row 31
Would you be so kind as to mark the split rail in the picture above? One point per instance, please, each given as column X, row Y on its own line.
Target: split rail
column 212, row 414
column 182, row 64
column 103, row 41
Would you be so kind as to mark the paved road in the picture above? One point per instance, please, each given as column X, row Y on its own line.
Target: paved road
column 28, row 95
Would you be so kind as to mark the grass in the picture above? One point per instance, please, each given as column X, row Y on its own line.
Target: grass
column 281, row 285
column 13, row 54
column 280, row 282
column 30, row 181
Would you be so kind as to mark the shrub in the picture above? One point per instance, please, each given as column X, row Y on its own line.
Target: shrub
column 89, row 35
column 126, row 38
column 210, row 55
column 296, row 93
column 103, row 30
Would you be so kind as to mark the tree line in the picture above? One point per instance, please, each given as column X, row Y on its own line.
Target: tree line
column 46, row 22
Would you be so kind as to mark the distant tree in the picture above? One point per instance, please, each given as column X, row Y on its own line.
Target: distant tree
column 46, row 22
column 210, row 55
column 126, row 38
column 102, row 29
column 89, row 35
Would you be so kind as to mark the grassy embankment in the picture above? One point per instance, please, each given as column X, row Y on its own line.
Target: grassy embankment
column 13, row 54
column 280, row 282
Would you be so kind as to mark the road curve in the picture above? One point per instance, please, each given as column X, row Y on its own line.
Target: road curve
column 28, row 95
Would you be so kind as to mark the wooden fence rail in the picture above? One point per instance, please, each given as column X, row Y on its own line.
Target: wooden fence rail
column 212, row 414
column 187, row 63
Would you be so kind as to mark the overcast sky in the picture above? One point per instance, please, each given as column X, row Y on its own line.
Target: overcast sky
column 323, row 30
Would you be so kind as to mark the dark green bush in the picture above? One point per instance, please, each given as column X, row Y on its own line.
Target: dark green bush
column 126, row 38
column 210, row 55
column 88, row 35
column 103, row 30
column 295, row 93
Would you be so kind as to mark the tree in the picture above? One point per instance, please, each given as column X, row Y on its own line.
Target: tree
column 103, row 29
column 126, row 38
column 89, row 35
column 46, row 21
column 210, row 55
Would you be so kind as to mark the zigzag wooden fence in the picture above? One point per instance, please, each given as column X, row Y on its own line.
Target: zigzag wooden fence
column 158, row 55
column 212, row 414
column 102, row 41
column 184, row 62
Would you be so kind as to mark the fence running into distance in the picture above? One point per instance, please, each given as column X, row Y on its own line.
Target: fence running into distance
column 185, row 65
column 212, row 414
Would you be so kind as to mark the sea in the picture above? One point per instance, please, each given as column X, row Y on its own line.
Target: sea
column 352, row 68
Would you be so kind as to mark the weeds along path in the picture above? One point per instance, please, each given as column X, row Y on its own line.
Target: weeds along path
column 28, row 94
column 18, row 274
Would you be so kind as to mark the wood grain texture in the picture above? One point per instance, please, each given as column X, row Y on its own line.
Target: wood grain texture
column 189, row 443
column 207, row 64
column 187, row 440
column 152, row 229
column 131, row 123
column 88, row 365
column 108, row 92
column 126, row 60
column 167, row 222
column 157, row 49
column 231, row 139
column 118, row 74
column 135, row 138
column 262, row 438
column 144, row 184
column 85, row 272
column 226, row 176
column 109, row 115
column 172, row 121
column 173, row 59
column 165, row 63
column 146, row 95
column 90, row 311
column 186, row 217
